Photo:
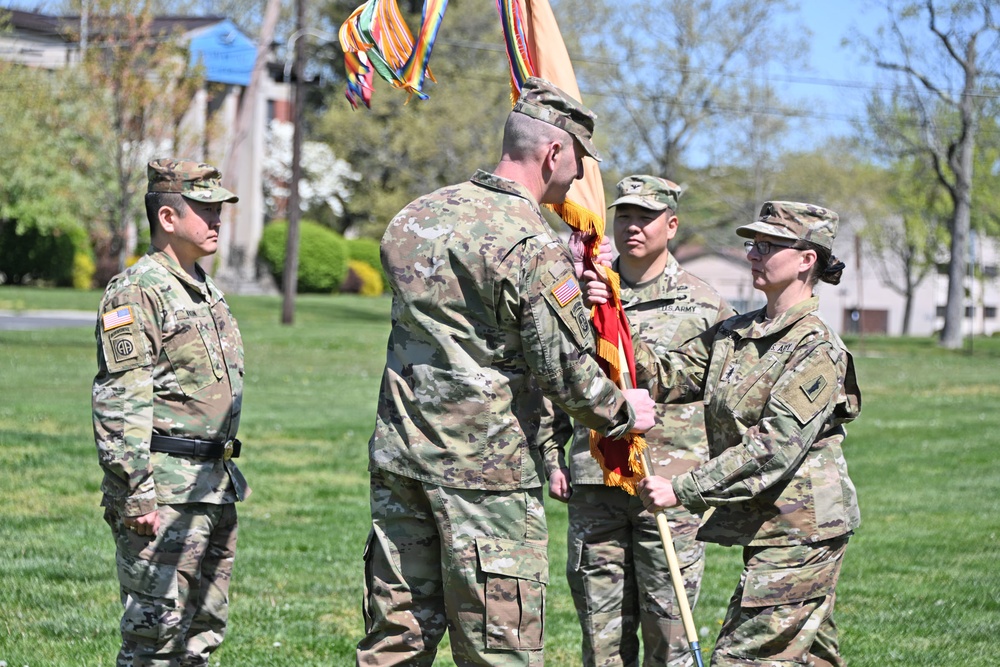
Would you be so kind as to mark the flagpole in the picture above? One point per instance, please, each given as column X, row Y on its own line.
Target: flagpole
column 663, row 525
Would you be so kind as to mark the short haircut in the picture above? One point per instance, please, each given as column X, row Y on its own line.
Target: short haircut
column 156, row 200
column 523, row 135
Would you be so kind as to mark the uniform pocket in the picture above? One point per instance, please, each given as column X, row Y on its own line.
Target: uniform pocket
column 149, row 595
column 187, row 348
column 769, row 587
column 516, row 574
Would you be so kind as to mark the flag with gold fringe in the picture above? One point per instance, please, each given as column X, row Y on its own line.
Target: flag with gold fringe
column 535, row 47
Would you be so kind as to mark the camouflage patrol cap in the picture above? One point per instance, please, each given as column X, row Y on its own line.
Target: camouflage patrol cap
column 655, row 194
column 193, row 180
column 542, row 100
column 796, row 221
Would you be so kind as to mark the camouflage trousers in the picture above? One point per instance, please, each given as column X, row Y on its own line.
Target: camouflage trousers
column 782, row 611
column 175, row 584
column 620, row 582
column 471, row 561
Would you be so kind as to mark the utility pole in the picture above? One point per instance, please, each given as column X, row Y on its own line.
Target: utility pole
column 291, row 274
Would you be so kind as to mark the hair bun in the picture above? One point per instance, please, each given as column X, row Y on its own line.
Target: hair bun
column 833, row 271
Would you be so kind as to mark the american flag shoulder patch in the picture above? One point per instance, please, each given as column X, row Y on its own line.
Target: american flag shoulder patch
column 566, row 291
column 117, row 318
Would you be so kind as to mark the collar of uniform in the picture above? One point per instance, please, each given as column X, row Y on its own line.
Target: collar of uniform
column 662, row 288
column 505, row 185
column 207, row 288
column 760, row 327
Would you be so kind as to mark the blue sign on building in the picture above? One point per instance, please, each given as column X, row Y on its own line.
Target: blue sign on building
column 226, row 54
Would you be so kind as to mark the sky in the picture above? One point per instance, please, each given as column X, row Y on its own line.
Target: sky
column 837, row 80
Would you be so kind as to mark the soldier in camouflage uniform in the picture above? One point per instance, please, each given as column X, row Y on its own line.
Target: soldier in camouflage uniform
column 616, row 567
column 778, row 386
column 166, row 402
column 486, row 316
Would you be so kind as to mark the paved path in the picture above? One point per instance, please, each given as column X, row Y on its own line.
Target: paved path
column 26, row 320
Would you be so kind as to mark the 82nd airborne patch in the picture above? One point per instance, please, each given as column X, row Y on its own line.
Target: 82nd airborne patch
column 120, row 338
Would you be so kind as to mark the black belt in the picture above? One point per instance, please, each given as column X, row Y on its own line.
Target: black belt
column 197, row 448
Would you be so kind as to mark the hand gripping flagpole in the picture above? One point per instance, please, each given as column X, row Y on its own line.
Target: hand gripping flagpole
column 687, row 618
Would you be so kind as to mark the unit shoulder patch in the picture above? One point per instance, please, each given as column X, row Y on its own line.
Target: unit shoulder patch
column 809, row 393
column 123, row 343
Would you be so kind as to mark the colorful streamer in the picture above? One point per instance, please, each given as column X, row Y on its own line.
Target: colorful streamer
column 377, row 31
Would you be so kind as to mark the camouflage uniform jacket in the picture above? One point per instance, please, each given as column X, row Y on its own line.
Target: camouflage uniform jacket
column 170, row 361
column 486, row 317
column 777, row 395
column 664, row 313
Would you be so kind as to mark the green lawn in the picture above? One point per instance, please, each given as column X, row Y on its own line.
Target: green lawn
column 921, row 583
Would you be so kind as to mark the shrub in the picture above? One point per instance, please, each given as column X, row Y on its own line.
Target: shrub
column 362, row 279
column 367, row 251
column 322, row 255
column 44, row 256
column 83, row 270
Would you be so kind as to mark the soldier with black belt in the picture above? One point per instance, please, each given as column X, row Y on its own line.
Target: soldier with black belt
column 166, row 408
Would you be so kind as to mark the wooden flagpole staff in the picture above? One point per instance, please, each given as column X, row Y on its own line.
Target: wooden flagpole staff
column 687, row 618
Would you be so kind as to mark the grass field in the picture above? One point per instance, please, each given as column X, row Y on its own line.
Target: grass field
column 920, row 586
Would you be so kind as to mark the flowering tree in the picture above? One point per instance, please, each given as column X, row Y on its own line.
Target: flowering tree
column 327, row 180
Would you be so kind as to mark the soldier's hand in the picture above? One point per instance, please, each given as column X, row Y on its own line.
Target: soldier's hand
column 657, row 493
column 644, row 408
column 578, row 247
column 595, row 290
column 146, row 525
column 559, row 485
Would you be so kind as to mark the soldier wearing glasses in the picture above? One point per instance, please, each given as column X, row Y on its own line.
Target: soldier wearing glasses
column 778, row 387
column 166, row 408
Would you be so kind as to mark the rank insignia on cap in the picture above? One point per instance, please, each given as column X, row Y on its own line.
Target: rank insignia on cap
column 117, row 318
column 566, row 291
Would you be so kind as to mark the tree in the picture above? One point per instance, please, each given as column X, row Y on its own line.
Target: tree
column 907, row 235
column 141, row 87
column 408, row 148
column 942, row 55
column 665, row 72
column 327, row 180
column 44, row 198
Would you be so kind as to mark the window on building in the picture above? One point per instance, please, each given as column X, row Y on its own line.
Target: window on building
column 990, row 312
column 866, row 321
column 970, row 311
column 991, row 271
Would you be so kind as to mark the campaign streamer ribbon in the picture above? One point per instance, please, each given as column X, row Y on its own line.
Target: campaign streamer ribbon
column 375, row 36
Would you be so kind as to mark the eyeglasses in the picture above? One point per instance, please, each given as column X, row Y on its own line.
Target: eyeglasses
column 765, row 247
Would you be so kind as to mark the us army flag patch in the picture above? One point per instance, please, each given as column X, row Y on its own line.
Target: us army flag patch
column 117, row 318
column 566, row 291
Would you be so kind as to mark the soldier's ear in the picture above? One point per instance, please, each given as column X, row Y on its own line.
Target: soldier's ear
column 167, row 217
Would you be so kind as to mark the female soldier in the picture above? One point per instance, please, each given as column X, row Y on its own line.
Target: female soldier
column 778, row 385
